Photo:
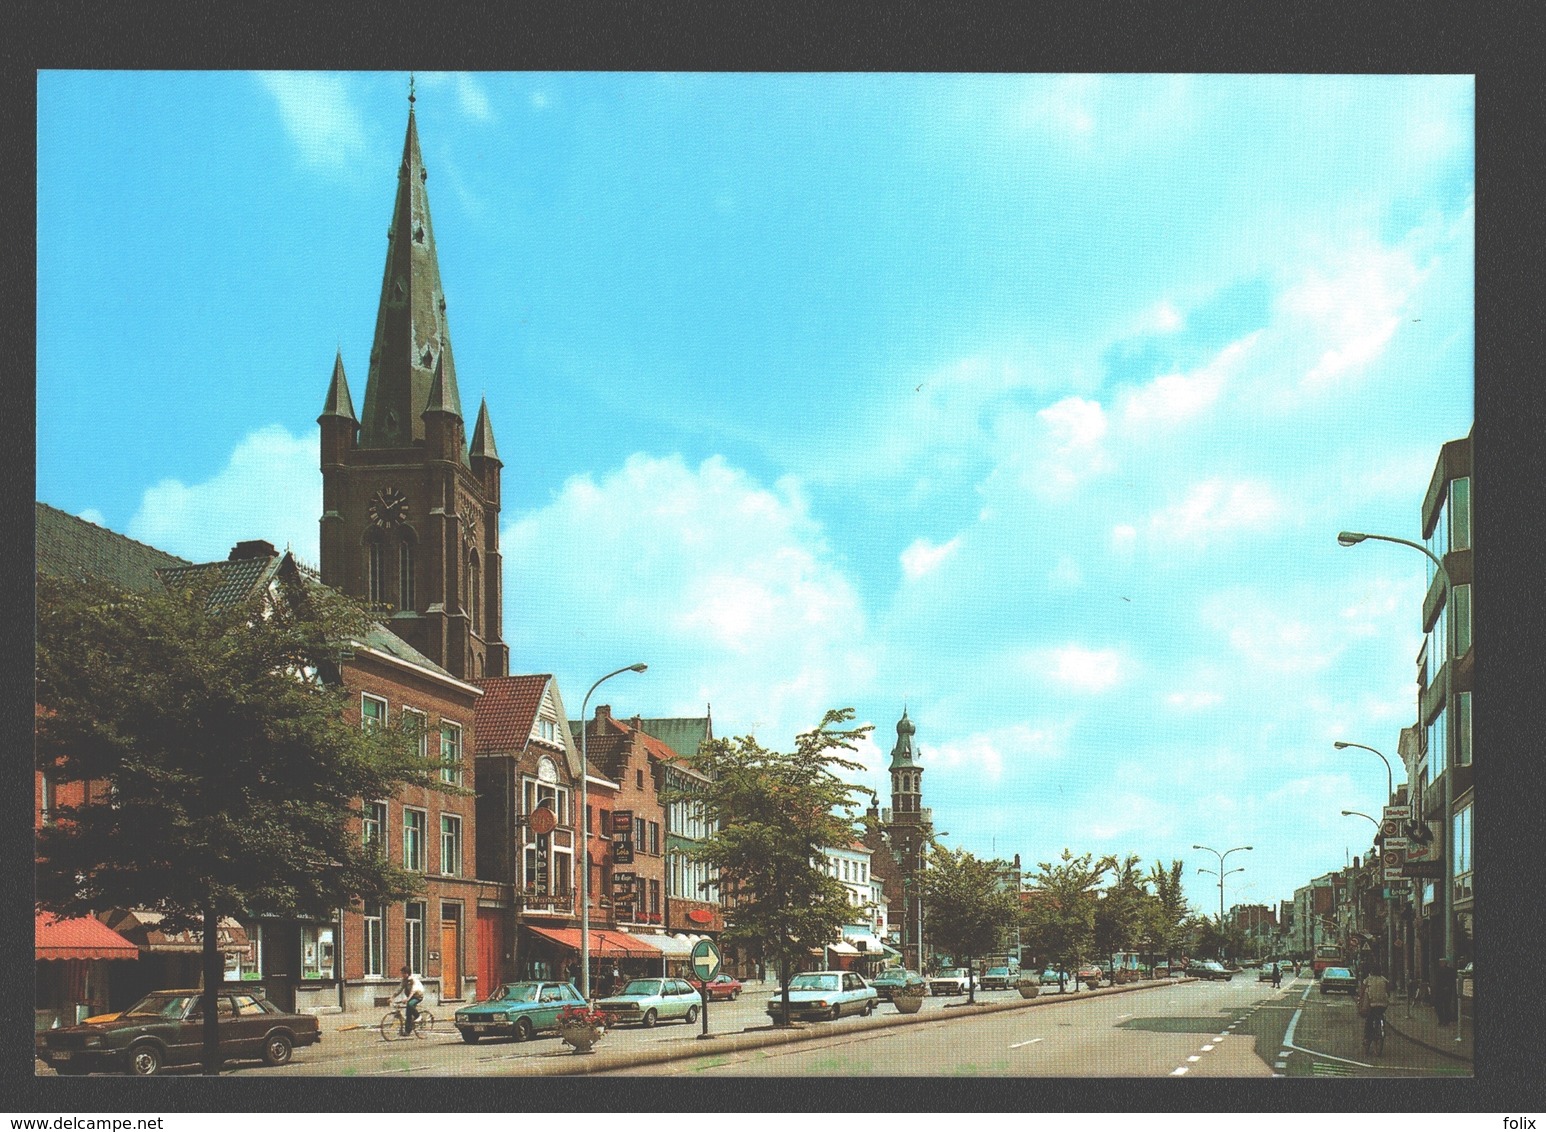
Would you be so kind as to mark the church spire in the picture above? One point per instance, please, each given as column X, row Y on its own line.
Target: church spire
column 412, row 339
column 339, row 403
column 483, row 435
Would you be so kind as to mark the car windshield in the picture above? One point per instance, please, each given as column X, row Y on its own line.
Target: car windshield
column 1337, row 973
column 998, row 970
column 813, row 982
column 161, row 1005
column 642, row 986
column 517, row 992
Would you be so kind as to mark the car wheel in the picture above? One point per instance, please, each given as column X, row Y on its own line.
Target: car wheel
column 276, row 1050
column 869, row 1005
column 522, row 1029
column 145, row 1060
column 650, row 1018
column 837, row 1012
column 735, row 994
column 471, row 1037
column 692, row 1015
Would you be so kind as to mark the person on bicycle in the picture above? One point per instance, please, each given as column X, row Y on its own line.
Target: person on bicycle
column 412, row 990
column 1373, row 998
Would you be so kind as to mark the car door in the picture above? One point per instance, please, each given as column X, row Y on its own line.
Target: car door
column 551, row 1000
column 683, row 997
column 243, row 1025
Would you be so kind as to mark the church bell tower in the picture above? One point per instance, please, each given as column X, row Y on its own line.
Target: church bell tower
column 410, row 503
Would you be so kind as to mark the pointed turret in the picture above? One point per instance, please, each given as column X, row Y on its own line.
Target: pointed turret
column 338, row 402
column 412, row 338
column 483, row 436
column 902, row 753
column 443, row 415
column 339, row 424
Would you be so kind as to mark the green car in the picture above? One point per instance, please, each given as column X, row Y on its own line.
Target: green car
column 517, row 1010
column 895, row 979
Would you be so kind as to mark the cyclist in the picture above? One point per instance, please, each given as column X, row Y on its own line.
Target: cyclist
column 412, row 991
column 1373, row 998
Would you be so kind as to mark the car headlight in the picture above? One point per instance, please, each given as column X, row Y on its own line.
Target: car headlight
column 501, row 1017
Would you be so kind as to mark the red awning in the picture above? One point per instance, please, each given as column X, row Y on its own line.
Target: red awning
column 604, row 944
column 83, row 937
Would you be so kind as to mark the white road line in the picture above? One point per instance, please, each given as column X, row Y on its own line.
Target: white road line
column 1178, row 1072
column 1032, row 1042
column 1194, row 1057
column 1207, row 1047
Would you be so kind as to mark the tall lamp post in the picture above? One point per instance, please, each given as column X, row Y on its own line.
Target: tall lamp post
column 1353, row 538
column 1221, row 873
column 1390, row 901
column 585, row 829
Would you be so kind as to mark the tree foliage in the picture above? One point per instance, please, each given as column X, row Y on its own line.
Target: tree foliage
column 1167, row 909
column 1119, row 913
column 233, row 779
column 773, row 814
column 1059, row 919
column 966, row 905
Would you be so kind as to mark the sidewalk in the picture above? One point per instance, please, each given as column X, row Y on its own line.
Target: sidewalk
column 1419, row 1024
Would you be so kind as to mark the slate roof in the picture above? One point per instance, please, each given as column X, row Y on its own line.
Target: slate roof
column 606, row 746
column 682, row 735
column 507, row 711
column 235, row 581
column 68, row 547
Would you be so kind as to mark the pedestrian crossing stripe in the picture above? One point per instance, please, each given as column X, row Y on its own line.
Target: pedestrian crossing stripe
column 1329, row 1069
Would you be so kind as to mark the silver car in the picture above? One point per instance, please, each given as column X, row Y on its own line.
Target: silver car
column 825, row 994
column 648, row 1001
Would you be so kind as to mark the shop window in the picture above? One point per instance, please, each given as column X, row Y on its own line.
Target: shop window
column 316, row 951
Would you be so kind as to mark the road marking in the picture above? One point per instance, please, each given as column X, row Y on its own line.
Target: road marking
column 1032, row 1042
column 1207, row 1047
column 1194, row 1057
column 1178, row 1072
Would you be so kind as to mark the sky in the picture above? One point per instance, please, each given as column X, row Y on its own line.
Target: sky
column 1030, row 403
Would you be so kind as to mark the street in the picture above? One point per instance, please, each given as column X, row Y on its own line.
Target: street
column 1235, row 1028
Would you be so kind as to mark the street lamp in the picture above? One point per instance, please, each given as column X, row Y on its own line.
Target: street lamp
column 1352, row 538
column 1221, row 873
column 1390, row 938
column 1390, row 778
column 585, row 829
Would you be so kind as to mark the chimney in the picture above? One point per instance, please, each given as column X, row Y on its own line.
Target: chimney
column 253, row 548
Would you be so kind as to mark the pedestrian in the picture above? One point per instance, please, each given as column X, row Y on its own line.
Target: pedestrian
column 1277, row 976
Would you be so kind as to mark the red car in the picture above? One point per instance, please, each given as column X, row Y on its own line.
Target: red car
column 720, row 986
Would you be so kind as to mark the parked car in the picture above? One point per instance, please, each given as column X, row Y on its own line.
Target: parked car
column 825, row 995
column 517, row 1010
column 1338, row 979
column 1051, row 975
column 167, row 1028
column 647, row 1001
column 1264, row 972
column 998, row 978
column 1208, row 969
column 895, row 979
column 951, row 980
column 720, row 987
column 1091, row 975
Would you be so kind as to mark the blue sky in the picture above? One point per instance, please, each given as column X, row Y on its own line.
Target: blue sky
column 1032, row 402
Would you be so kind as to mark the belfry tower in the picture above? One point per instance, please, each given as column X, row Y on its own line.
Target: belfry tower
column 908, row 828
column 410, row 507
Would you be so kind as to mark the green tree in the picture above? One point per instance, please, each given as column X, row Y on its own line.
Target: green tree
column 232, row 777
column 967, row 905
column 774, row 814
column 1059, row 919
column 1167, row 909
column 1119, row 913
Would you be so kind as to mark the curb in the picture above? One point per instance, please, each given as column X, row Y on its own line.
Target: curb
column 577, row 1065
column 1449, row 1053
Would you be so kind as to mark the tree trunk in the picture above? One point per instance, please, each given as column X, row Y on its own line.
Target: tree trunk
column 214, row 976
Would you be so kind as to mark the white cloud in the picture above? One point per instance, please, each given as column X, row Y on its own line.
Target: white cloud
column 92, row 515
column 270, row 489
column 1078, row 668
column 1066, row 574
column 702, row 571
column 984, row 754
column 1213, row 506
column 1272, row 634
column 1193, row 700
column 1176, row 397
column 1345, row 310
column 472, row 100
column 319, row 115
column 923, row 557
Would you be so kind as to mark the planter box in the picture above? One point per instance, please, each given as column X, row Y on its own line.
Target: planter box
column 1028, row 990
column 907, row 1003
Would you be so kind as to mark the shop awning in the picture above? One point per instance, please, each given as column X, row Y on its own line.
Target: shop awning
column 672, row 946
column 81, row 937
column 873, row 944
column 841, row 948
column 604, row 944
column 144, row 929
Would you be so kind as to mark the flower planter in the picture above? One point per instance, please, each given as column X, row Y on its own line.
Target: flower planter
column 1028, row 989
column 582, row 1036
column 907, row 1003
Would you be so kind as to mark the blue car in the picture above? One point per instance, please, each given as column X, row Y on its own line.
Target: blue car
column 517, row 1010
column 647, row 1001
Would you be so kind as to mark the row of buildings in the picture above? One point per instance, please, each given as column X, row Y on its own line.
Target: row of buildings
column 1408, row 904
column 410, row 524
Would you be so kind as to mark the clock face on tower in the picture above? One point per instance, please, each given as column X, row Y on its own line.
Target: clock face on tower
column 388, row 506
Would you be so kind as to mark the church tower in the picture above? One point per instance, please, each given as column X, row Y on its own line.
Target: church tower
column 908, row 828
column 410, row 506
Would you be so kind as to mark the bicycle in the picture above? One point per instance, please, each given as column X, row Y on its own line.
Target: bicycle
column 1374, row 1032
column 394, row 1024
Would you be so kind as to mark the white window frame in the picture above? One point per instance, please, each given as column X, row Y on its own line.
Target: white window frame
column 370, row 722
column 375, row 819
column 421, row 828
column 422, row 722
column 373, row 935
column 451, row 845
column 450, row 729
column 414, row 928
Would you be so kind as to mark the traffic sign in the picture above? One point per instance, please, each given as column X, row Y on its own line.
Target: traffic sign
column 705, row 959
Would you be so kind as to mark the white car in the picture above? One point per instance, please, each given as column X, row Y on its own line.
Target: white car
column 825, row 995
column 952, row 980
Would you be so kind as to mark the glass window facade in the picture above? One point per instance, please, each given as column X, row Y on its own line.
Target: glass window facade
column 1463, row 736
column 1461, row 838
